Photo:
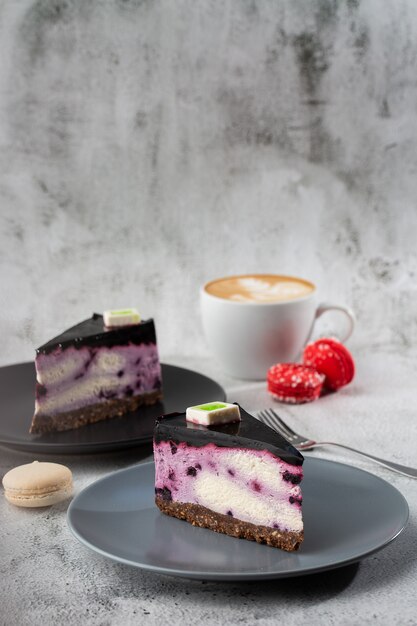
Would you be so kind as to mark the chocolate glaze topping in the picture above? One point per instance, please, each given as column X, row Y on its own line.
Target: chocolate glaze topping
column 92, row 332
column 248, row 433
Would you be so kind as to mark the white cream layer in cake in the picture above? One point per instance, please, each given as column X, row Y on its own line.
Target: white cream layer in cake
column 75, row 377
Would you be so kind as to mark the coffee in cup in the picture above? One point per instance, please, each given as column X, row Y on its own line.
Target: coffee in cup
column 253, row 321
column 259, row 288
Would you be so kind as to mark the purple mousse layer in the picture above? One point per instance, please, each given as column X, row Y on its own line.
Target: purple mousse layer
column 251, row 485
column 71, row 379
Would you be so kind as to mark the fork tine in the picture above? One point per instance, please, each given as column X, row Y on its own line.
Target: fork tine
column 282, row 423
column 266, row 419
column 269, row 421
column 272, row 422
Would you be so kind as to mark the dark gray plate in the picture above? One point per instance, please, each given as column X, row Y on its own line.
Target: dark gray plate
column 348, row 514
column 181, row 388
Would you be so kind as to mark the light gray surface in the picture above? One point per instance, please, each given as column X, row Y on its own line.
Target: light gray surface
column 48, row 578
column 148, row 146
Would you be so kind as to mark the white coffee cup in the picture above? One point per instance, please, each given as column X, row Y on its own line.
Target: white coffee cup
column 247, row 335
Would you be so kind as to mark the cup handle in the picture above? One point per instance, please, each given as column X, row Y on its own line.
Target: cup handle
column 327, row 306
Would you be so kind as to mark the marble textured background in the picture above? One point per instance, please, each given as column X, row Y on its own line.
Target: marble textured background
column 148, row 146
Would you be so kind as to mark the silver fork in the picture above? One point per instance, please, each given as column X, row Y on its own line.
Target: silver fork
column 301, row 442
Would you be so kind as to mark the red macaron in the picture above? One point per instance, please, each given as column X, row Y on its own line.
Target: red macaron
column 332, row 359
column 294, row 383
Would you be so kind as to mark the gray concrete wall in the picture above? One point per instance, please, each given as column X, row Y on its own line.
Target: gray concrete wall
column 148, row 146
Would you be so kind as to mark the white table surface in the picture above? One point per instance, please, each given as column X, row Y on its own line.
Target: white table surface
column 47, row 577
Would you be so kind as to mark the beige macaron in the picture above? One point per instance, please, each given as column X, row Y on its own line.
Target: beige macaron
column 37, row 484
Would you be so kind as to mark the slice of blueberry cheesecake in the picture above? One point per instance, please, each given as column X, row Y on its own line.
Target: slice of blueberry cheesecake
column 101, row 368
column 218, row 467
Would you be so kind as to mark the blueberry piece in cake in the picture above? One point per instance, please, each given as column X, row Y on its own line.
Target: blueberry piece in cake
column 93, row 372
column 239, row 478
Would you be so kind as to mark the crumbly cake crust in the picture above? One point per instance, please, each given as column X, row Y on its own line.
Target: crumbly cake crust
column 92, row 413
column 205, row 518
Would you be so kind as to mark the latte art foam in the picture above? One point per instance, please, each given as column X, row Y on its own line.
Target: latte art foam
column 261, row 288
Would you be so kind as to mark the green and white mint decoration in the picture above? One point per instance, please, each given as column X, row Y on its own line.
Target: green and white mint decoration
column 121, row 317
column 213, row 413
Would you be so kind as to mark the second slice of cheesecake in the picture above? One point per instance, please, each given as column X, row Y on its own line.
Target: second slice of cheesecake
column 91, row 373
column 242, row 478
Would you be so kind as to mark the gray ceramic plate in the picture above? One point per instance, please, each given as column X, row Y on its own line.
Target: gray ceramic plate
column 181, row 388
column 348, row 514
